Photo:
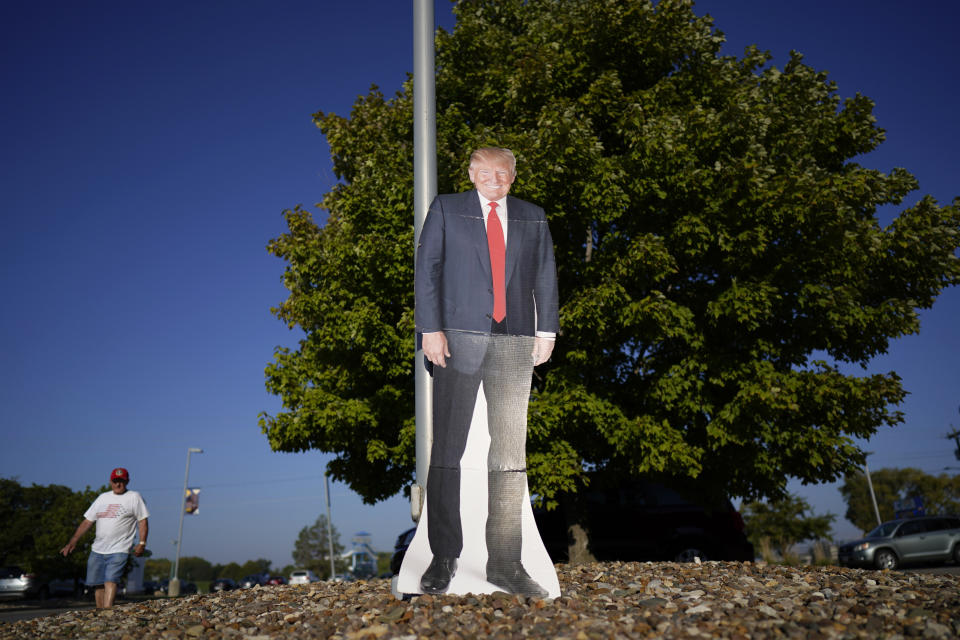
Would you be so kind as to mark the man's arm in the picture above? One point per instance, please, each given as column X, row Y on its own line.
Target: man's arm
column 142, row 546
column 545, row 288
column 429, row 271
column 546, row 298
column 427, row 286
column 72, row 544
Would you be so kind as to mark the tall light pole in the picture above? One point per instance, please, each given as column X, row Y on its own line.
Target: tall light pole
column 326, row 491
column 174, row 589
column 424, row 190
column 873, row 496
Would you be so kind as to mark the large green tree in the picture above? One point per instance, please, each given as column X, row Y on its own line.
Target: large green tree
column 718, row 249
column 38, row 521
column 940, row 493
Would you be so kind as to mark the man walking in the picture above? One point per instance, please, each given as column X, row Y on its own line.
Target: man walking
column 118, row 514
column 487, row 307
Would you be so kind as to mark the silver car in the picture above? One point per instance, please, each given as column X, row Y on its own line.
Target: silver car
column 16, row 583
column 897, row 542
column 303, row 576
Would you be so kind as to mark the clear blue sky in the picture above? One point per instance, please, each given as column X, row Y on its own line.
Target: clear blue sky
column 147, row 152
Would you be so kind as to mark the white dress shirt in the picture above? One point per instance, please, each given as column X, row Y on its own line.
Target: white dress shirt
column 502, row 215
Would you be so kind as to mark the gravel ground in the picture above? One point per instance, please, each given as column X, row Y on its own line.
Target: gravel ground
column 602, row 600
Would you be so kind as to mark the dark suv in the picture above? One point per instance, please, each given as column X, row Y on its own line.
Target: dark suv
column 644, row 520
column 223, row 584
column 903, row 541
column 400, row 549
column 638, row 520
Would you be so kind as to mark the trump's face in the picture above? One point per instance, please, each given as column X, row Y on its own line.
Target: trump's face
column 492, row 177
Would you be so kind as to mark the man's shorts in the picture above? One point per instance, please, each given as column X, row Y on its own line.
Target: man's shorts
column 105, row 567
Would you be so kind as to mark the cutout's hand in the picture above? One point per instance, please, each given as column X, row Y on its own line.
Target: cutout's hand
column 542, row 348
column 435, row 348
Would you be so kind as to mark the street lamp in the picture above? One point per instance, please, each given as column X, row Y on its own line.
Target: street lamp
column 873, row 496
column 174, row 589
column 326, row 491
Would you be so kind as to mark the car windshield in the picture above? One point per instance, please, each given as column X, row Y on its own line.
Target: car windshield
column 883, row 531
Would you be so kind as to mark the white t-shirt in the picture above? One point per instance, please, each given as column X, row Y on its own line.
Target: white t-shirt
column 116, row 517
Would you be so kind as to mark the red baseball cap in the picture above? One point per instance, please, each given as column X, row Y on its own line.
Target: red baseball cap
column 119, row 474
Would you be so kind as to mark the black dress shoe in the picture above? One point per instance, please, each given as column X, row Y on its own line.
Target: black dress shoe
column 513, row 578
column 437, row 577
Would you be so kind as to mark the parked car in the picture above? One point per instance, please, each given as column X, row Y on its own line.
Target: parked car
column 223, row 584
column 276, row 580
column 248, row 582
column 17, row 583
column 905, row 541
column 150, row 587
column 185, row 587
column 400, row 549
column 66, row 587
column 303, row 576
column 638, row 520
column 20, row 584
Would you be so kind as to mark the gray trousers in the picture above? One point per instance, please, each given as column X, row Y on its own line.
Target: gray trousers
column 504, row 365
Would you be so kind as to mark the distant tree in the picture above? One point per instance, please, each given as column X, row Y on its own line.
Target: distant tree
column 231, row 570
column 781, row 524
column 157, row 569
column 383, row 561
column 38, row 521
column 718, row 249
column 255, row 567
column 195, row 568
column 941, row 494
column 312, row 550
column 287, row 570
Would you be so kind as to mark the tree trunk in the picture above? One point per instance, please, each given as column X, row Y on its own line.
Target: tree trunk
column 578, row 530
column 578, row 549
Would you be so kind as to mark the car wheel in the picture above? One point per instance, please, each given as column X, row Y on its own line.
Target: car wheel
column 687, row 554
column 956, row 553
column 885, row 559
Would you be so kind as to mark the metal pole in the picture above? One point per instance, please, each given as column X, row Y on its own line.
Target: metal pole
column 326, row 491
column 174, row 588
column 873, row 496
column 424, row 190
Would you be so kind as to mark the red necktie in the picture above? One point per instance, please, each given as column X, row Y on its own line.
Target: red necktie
column 497, row 259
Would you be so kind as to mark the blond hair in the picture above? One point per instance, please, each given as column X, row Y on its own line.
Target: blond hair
column 493, row 154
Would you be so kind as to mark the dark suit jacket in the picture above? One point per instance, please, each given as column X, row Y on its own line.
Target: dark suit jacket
column 454, row 286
